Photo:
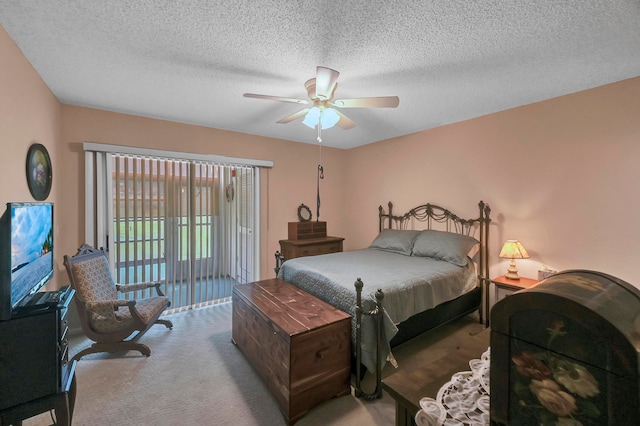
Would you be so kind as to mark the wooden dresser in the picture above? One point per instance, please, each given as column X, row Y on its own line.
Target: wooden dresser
column 309, row 239
column 298, row 344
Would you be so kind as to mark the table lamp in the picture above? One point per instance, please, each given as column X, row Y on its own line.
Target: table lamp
column 512, row 249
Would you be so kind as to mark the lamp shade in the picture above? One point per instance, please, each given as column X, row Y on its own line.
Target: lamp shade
column 512, row 249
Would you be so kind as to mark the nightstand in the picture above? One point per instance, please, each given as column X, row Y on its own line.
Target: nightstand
column 504, row 287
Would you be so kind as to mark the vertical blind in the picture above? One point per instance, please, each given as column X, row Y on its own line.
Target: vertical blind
column 191, row 225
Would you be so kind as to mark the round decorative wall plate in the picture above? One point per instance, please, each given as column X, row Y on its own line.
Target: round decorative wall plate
column 39, row 173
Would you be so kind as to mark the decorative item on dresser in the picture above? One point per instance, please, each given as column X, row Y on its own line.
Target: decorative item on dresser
column 304, row 213
column 425, row 277
column 566, row 351
column 298, row 344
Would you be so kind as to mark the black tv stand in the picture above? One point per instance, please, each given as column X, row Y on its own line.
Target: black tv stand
column 35, row 370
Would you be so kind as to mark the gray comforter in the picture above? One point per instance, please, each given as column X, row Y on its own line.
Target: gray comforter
column 410, row 285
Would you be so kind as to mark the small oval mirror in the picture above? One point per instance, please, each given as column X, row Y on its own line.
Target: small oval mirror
column 304, row 213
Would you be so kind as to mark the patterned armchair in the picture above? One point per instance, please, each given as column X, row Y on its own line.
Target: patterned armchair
column 113, row 324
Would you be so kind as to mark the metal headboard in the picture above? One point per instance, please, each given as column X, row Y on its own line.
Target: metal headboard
column 431, row 214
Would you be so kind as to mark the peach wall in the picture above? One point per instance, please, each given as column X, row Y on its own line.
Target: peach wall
column 289, row 183
column 561, row 175
column 29, row 113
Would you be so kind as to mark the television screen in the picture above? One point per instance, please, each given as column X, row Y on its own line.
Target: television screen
column 31, row 248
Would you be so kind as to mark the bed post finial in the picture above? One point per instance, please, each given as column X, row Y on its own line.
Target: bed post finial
column 485, row 211
column 359, row 284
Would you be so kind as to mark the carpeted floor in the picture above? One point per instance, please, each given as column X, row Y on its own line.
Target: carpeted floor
column 194, row 376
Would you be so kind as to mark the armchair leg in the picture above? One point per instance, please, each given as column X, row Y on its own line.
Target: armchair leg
column 167, row 323
column 113, row 347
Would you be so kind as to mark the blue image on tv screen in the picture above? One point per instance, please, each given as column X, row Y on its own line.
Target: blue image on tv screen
column 31, row 248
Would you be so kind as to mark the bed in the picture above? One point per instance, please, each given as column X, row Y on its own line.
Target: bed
column 425, row 268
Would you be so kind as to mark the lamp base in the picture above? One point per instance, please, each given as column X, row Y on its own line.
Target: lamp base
column 512, row 272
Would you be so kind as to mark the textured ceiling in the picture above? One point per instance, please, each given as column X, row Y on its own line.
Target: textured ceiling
column 190, row 61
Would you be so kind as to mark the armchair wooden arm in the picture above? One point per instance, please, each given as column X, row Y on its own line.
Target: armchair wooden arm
column 126, row 288
column 105, row 308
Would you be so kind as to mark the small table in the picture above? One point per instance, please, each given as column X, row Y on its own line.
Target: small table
column 409, row 385
column 505, row 286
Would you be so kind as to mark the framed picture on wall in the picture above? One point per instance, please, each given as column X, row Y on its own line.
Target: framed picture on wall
column 39, row 173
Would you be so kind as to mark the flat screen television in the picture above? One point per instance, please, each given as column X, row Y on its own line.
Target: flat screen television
column 26, row 252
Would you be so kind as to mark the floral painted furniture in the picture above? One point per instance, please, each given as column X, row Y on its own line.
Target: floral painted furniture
column 566, row 352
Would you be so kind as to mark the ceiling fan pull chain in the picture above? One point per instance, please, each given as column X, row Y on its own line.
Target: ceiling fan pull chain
column 320, row 172
column 320, row 141
column 320, row 176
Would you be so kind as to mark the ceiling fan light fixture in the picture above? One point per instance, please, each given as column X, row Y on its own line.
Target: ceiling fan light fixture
column 326, row 117
column 329, row 118
column 312, row 118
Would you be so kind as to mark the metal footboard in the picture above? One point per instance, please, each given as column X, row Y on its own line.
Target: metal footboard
column 377, row 312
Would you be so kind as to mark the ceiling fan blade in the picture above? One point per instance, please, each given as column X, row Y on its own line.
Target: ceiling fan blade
column 293, row 116
column 375, row 102
column 326, row 79
column 345, row 122
column 276, row 98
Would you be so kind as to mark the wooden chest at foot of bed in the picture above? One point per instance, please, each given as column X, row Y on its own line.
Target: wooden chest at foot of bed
column 298, row 344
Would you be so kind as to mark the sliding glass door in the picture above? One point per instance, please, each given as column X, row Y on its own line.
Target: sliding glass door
column 187, row 224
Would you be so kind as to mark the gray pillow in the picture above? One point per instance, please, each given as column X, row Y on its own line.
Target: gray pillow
column 395, row 240
column 448, row 246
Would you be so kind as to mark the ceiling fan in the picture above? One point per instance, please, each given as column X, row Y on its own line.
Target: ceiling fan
column 323, row 109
